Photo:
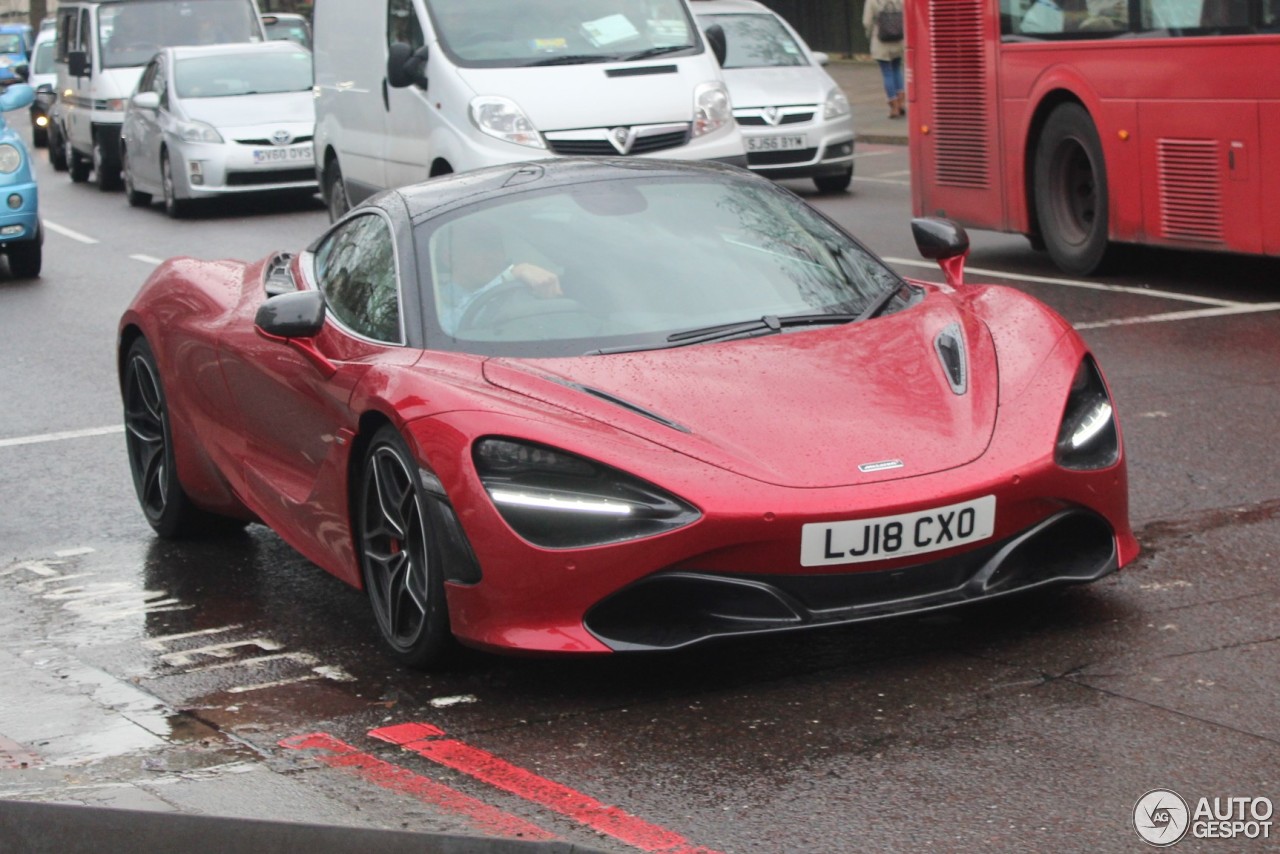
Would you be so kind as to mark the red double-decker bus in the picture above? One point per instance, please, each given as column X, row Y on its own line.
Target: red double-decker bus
column 1088, row 123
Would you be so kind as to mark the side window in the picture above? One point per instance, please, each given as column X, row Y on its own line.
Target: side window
column 161, row 83
column 82, row 34
column 148, row 81
column 66, row 34
column 1069, row 18
column 403, row 25
column 356, row 271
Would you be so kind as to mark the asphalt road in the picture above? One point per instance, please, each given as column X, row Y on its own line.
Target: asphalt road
column 233, row 678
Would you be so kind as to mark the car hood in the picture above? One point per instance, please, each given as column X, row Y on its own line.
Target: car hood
column 778, row 86
column 269, row 112
column 823, row 408
column 567, row 97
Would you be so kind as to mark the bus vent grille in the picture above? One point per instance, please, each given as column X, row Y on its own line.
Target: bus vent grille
column 1190, row 191
column 960, row 121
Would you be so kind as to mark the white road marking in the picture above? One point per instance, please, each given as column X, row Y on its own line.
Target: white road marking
column 1077, row 283
column 875, row 153
column 67, row 232
column 147, row 259
column 898, row 174
column 1174, row 316
column 61, row 437
column 73, row 552
column 882, row 181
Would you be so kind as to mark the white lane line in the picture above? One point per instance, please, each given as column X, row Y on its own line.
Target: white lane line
column 147, row 259
column 67, row 232
column 898, row 174
column 60, row 437
column 1174, row 316
column 882, row 181
column 876, row 153
column 1076, row 283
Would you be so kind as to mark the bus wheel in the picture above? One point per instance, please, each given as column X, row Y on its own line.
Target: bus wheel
column 1071, row 191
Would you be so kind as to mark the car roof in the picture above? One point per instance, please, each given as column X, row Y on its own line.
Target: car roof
column 234, row 49
column 449, row 192
column 714, row 7
column 284, row 16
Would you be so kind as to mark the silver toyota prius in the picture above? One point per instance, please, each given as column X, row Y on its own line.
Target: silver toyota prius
column 214, row 120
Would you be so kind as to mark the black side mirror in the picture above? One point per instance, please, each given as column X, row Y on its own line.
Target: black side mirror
column 719, row 44
column 406, row 66
column 295, row 315
column 78, row 64
column 21, row 72
column 943, row 241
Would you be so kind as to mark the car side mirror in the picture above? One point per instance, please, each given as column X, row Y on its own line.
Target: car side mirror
column 821, row 57
column 295, row 315
column 146, row 100
column 943, row 241
column 719, row 44
column 78, row 64
column 406, row 66
column 16, row 96
column 21, row 72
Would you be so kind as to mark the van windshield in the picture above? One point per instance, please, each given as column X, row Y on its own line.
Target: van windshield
column 131, row 33
column 502, row 34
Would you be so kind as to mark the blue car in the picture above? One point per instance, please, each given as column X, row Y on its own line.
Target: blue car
column 21, row 238
column 15, row 52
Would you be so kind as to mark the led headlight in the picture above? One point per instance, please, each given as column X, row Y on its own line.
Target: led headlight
column 10, row 159
column 712, row 109
column 558, row 500
column 1088, row 438
column 837, row 105
column 502, row 118
column 198, row 132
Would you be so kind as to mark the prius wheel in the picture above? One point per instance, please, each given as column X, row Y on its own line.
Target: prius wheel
column 131, row 194
column 150, row 447
column 175, row 207
column 399, row 554
column 335, row 192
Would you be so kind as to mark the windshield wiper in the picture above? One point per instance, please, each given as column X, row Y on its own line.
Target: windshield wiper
column 880, row 302
column 767, row 325
column 569, row 59
column 656, row 51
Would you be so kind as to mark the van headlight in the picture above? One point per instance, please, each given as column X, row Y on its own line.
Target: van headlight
column 1088, row 438
column 559, row 500
column 10, row 159
column 502, row 119
column 712, row 108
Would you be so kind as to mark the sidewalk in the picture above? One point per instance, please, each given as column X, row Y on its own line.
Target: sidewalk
column 861, row 82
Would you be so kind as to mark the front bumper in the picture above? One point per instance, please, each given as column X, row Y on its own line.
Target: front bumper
column 807, row 149
column 21, row 222
column 207, row 170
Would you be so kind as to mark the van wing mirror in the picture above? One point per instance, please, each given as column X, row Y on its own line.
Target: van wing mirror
column 406, row 66
column 78, row 64
column 719, row 44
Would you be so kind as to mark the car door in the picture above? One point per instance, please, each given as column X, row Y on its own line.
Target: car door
column 293, row 396
column 142, row 131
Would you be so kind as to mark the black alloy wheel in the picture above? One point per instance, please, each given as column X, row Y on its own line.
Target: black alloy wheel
column 400, row 556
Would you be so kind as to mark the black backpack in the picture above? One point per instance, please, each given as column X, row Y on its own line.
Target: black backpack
column 889, row 25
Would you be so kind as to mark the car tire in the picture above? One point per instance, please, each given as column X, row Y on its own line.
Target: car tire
column 834, row 183
column 78, row 165
column 106, row 169
column 40, row 137
column 57, row 149
column 335, row 191
column 149, row 443
column 135, row 198
column 1070, row 181
column 396, row 532
column 26, row 257
column 175, row 207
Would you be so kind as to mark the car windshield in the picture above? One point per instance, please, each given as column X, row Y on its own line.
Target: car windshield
column 42, row 62
column 11, row 43
column 756, row 41
column 640, row 260
column 131, row 33
column 230, row 74
column 499, row 33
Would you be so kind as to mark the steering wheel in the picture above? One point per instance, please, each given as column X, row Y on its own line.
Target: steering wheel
column 487, row 300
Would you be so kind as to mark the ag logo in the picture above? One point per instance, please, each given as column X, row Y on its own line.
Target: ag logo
column 1161, row 817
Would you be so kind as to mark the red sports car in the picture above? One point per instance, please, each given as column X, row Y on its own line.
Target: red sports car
column 590, row 406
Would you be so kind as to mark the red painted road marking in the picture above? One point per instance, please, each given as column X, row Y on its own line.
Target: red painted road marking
column 14, row 755
column 425, row 740
column 485, row 818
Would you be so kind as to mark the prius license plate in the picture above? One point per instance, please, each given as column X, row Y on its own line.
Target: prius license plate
column 886, row 537
column 284, row 154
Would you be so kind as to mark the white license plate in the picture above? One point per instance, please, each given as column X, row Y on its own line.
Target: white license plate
column 283, row 154
column 776, row 143
column 886, row 537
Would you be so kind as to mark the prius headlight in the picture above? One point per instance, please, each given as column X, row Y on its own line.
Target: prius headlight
column 1088, row 438
column 558, row 500
column 198, row 132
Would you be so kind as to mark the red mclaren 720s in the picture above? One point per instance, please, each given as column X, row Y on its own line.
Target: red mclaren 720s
column 592, row 406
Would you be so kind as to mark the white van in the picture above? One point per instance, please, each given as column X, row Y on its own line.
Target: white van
column 102, row 48
column 411, row 89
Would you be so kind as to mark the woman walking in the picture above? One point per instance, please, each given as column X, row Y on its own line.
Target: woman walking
column 883, row 22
